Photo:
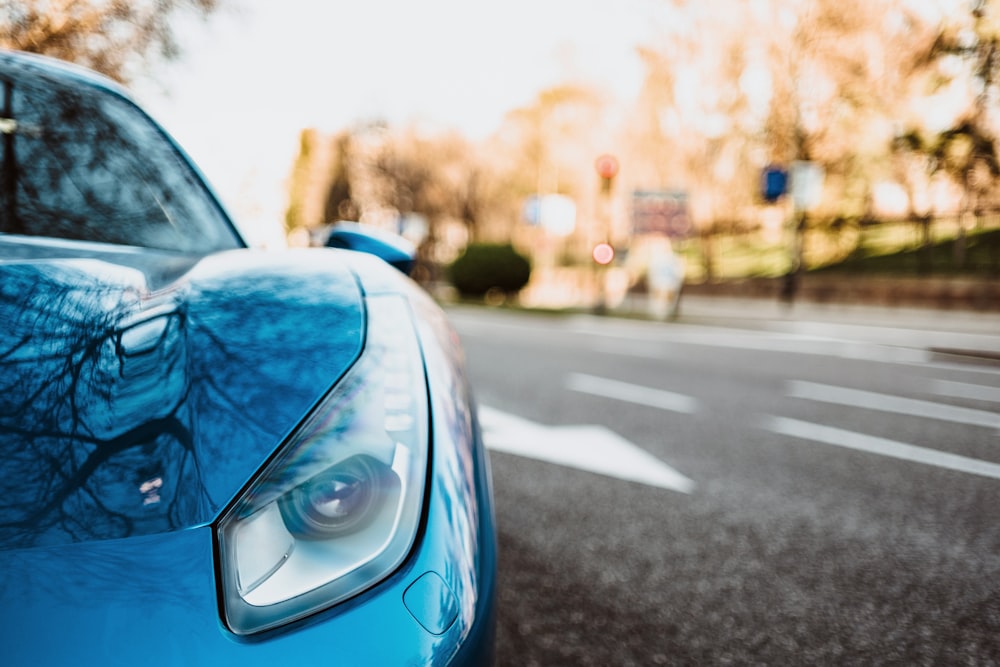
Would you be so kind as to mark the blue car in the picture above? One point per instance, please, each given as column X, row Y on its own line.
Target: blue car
column 211, row 454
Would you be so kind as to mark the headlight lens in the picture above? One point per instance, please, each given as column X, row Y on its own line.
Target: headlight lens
column 338, row 509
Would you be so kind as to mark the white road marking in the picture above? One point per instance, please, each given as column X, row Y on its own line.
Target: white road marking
column 975, row 392
column 894, row 404
column 591, row 448
column 631, row 393
column 881, row 446
column 762, row 341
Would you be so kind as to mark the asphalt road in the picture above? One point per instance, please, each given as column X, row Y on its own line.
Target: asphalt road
column 735, row 492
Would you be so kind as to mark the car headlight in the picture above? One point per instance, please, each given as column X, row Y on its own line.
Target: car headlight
column 338, row 509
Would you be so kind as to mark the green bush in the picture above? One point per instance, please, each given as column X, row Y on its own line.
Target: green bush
column 485, row 266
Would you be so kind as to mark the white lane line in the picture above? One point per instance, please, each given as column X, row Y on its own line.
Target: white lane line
column 761, row 341
column 631, row 393
column 881, row 446
column 895, row 404
column 591, row 448
column 975, row 392
column 640, row 350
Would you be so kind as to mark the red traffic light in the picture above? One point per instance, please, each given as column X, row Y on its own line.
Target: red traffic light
column 603, row 253
column 606, row 166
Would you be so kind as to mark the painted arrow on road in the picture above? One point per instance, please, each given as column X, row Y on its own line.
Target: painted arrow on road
column 591, row 448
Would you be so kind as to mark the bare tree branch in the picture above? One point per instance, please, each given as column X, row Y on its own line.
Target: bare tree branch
column 114, row 37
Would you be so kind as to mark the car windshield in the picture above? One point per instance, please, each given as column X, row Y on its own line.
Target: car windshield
column 80, row 163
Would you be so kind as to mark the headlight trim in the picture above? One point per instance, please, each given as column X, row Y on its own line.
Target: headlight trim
column 269, row 575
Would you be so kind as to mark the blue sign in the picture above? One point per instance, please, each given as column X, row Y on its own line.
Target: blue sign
column 773, row 183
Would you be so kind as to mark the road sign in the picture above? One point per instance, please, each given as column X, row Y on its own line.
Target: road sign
column 661, row 212
column 773, row 183
column 806, row 184
column 555, row 214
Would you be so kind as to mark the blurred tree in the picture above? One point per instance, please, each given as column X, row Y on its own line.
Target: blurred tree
column 465, row 183
column 298, row 188
column 416, row 175
column 540, row 131
column 967, row 150
column 841, row 80
column 704, row 139
column 821, row 81
column 390, row 176
column 841, row 119
column 836, row 69
column 408, row 171
column 549, row 147
column 340, row 204
column 912, row 167
column 483, row 199
column 114, row 37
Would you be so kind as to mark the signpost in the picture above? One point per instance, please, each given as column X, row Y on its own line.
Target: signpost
column 606, row 166
column 806, row 184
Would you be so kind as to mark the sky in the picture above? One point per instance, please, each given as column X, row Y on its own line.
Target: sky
column 260, row 71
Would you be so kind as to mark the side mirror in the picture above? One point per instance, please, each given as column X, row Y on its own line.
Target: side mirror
column 392, row 248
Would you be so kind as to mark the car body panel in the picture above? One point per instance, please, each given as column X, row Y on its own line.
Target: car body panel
column 143, row 390
column 175, row 388
column 110, row 601
column 389, row 247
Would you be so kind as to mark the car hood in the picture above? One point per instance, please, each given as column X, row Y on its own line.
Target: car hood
column 139, row 392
